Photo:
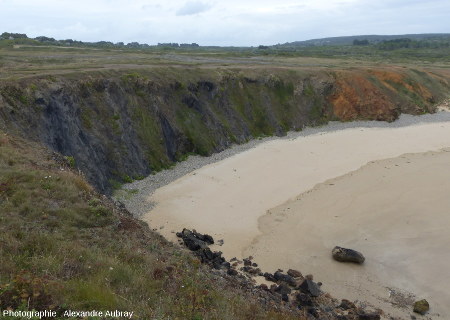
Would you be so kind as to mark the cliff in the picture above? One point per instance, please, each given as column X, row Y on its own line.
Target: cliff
column 123, row 125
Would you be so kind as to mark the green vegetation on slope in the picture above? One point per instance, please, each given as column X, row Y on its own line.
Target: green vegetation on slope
column 119, row 125
column 123, row 125
column 62, row 246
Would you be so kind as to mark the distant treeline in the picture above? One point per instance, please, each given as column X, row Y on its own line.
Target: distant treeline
column 408, row 43
column 404, row 43
column 100, row 44
column 364, row 42
column 426, row 47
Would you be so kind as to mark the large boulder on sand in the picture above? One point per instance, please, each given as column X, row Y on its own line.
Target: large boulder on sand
column 421, row 306
column 347, row 255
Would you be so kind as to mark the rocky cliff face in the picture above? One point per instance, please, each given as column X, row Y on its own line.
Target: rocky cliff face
column 119, row 127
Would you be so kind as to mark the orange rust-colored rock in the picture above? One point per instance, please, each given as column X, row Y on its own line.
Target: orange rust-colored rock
column 383, row 94
column 389, row 78
column 356, row 97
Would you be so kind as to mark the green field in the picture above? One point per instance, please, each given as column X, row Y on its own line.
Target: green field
column 26, row 57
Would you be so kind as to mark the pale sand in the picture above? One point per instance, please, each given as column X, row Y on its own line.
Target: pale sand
column 395, row 211
column 227, row 198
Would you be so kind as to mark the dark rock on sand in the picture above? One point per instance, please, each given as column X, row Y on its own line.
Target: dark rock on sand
column 250, row 270
column 264, row 287
column 214, row 259
column 347, row 255
column 205, row 254
column 273, row 287
column 304, row 300
column 283, row 289
column 194, row 240
column 204, row 237
column 309, row 287
column 232, row 272
column 369, row 316
column 279, row 276
column 198, row 243
column 285, row 285
column 421, row 306
column 347, row 304
column 256, row 271
column 294, row 273
column 194, row 244
column 269, row 277
column 314, row 312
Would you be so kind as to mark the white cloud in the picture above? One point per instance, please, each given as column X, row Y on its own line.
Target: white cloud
column 213, row 22
column 193, row 7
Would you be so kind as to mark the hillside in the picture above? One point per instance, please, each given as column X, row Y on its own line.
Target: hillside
column 76, row 123
column 66, row 247
column 348, row 40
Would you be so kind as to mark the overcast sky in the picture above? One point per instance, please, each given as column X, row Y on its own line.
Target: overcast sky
column 216, row 22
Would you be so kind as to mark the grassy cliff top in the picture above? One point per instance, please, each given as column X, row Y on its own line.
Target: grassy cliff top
column 18, row 59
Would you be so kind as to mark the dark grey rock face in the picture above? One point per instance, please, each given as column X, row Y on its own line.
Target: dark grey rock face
column 122, row 128
column 125, row 126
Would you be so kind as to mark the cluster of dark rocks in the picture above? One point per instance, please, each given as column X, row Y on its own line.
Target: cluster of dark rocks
column 290, row 289
column 199, row 244
column 293, row 287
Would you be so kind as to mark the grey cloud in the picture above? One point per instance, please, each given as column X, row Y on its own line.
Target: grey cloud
column 193, row 7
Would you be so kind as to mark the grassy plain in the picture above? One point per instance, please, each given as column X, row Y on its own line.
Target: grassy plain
column 22, row 60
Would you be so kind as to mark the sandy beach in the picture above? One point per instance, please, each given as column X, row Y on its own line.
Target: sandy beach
column 395, row 211
column 288, row 202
